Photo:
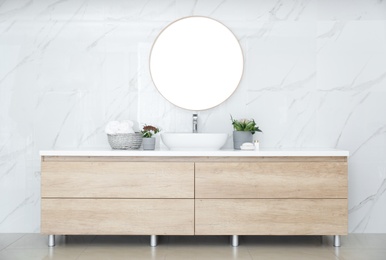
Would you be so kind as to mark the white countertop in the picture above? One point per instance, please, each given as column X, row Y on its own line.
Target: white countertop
column 235, row 153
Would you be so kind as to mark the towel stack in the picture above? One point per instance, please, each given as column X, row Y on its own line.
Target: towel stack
column 119, row 127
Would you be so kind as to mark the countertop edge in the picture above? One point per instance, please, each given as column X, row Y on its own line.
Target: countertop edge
column 220, row 153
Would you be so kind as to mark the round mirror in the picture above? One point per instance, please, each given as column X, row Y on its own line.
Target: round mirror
column 196, row 63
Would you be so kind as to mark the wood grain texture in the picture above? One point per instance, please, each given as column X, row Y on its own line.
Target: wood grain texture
column 271, row 217
column 155, row 195
column 117, row 179
column 271, row 180
column 118, row 216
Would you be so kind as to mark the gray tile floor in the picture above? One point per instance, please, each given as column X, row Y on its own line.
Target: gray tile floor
column 34, row 246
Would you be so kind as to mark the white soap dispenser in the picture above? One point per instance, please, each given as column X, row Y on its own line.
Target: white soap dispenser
column 256, row 144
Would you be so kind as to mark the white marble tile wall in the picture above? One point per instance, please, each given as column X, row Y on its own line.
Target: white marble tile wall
column 315, row 76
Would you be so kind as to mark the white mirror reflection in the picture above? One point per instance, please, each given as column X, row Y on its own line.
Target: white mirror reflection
column 196, row 63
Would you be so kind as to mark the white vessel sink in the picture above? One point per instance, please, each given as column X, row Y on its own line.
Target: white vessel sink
column 194, row 141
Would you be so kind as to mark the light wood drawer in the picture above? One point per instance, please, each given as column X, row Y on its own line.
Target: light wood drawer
column 118, row 216
column 118, row 179
column 271, row 180
column 271, row 217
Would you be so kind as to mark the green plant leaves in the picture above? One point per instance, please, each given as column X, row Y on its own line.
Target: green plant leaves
column 149, row 130
column 245, row 125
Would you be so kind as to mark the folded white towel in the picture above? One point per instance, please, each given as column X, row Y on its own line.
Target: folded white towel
column 112, row 127
column 117, row 127
column 125, row 128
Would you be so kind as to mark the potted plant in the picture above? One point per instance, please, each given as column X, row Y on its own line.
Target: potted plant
column 243, row 131
column 148, row 140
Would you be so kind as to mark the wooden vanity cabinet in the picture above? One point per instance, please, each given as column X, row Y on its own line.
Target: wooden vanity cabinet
column 102, row 196
column 194, row 195
column 272, row 197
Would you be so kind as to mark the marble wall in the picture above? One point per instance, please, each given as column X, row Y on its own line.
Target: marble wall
column 315, row 76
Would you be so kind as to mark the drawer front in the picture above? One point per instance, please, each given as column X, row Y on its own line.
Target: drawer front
column 118, row 179
column 271, row 180
column 271, row 217
column 118, row 216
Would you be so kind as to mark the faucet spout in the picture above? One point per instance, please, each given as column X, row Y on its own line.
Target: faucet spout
column 195, row 123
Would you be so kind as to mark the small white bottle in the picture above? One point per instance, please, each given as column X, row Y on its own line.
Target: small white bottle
column 256, row 144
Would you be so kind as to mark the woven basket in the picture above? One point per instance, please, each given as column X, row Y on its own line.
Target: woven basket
column 125, row 141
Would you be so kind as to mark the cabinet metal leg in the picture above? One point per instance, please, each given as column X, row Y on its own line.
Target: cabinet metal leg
column 51, row 240
column 337, row 241
column 153, row 240
column 235, row 240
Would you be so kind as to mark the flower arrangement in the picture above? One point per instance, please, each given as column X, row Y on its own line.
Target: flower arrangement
column 148, row 131
column 247, row 125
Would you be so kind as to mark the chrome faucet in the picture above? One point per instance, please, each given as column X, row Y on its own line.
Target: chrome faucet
column 195, row 123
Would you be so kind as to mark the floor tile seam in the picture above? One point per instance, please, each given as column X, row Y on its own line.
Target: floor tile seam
column 248, row 250
column 6, row 247
column 249, row 253
column 86, row 246
column 168, row 247
column 79, row 255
